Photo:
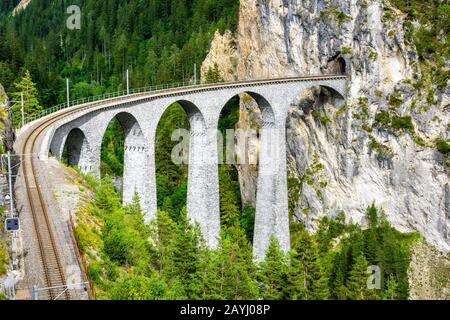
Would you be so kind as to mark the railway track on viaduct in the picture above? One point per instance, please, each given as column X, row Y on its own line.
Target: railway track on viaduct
column 53, row 270
column 48, row 250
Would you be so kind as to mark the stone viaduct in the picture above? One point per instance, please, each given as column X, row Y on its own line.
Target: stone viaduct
column 83, row 132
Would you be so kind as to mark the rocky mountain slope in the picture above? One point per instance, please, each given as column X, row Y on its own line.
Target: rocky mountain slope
column 388, row 145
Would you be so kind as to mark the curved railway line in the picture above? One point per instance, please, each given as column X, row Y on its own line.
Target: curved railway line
column 53, row 272
column 48, row 247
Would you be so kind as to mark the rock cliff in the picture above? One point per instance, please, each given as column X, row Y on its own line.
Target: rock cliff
column 380, row 147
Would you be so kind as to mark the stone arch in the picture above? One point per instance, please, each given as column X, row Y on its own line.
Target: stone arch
column 196, row 123
column 301, row 134
column 306, row 98
column 246, row 149
column 266, row 119
column 129, row 124
column 196, row 117
column 267, row 112
column 74, row 146
column 333, row 91
column 196, row 144
column 132, row 131
column 136, row 161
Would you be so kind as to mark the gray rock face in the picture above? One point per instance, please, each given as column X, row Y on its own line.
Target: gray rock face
column 339, row 158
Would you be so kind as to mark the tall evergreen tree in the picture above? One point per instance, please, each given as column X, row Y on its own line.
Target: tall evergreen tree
column 163, row 237
column 189, row 252
column 31, row 105
column 357, row 282
column 391, row 292
column 229, row 196
column 232, row 274
column 306, row 278
column 213, row 74
column 371, row 235
column 273, row 273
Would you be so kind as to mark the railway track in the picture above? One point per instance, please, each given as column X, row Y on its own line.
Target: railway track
column 48, row 248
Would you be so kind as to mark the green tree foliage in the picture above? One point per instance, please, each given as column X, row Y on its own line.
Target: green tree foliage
column 144, row 288
column 230, row 204
column 168, row 259
column 442, row 145
column 274, row 272
column 112, row 150
column 391, row 292
column 189, row 252
column 231, row 271
column 247, row 221
column 31, row 104
column 357, row 282
column 306, row 278
column 158, row 41
column 4, row 259
column 164, row 234
column 213, row 74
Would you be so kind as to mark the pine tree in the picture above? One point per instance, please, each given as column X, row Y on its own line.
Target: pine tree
column 106, row 197
column 357, row 282
column 232, row 274
column 189, row 252
column 372, row 243
column 357, row 244
column 391, row 292
column 30, row 96
column 306, row 278
column 140, row 232
column 213, row 74
column 372, row 215
column 341, row 265
column 273, row 273
column 229, row 197
column 163, row 233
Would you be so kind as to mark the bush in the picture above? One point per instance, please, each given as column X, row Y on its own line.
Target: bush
column 143, row 288
column 402, row 123
column 3, row 260
column 321, row 117
column 442, row 145
column 382, row 119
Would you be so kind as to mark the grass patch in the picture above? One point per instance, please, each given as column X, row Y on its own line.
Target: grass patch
column 399, row 123
column 442, row 145
column 321, row 117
